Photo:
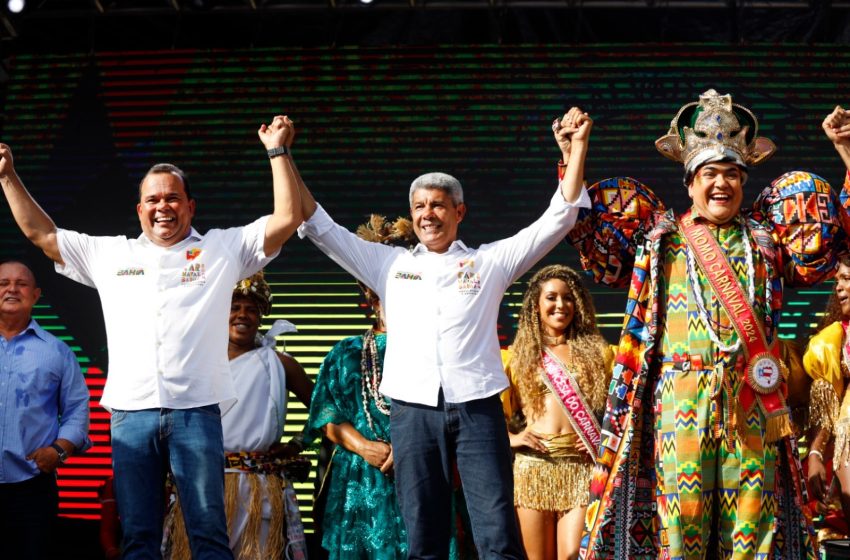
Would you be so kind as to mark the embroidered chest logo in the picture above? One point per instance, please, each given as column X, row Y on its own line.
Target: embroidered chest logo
column 192, row 254
column 401, row 275
column 132, row 271
column 193, row 275
column 468, row 281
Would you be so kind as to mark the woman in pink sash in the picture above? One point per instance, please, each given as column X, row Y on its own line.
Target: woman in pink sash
column 559, row 367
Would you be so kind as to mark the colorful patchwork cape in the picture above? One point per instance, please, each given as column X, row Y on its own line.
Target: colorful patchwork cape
column 799, row 227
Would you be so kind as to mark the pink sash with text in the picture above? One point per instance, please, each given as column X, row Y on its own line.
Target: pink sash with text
column 560, row 381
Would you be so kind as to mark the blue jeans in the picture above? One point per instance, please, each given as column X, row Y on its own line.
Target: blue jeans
column 425, row 441
column 146, row 444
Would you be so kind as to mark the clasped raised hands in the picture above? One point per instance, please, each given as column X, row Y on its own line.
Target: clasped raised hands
column 281, row 132
column 573, row 127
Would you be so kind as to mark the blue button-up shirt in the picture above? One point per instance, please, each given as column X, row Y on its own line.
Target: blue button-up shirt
column 43, row 397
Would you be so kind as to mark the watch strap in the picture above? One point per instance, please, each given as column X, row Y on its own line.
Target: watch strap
column 63, row 455
column 279, row 151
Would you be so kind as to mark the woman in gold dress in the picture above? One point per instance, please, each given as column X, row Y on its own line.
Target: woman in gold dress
column 826, row 361
column 559, row 367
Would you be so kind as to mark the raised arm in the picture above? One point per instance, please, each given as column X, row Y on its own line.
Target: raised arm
column 837, row 128
column 522, row 250
column 30, row 217
column 572, row 133
column 308, row 203
column 363, row 259
column 287, row 215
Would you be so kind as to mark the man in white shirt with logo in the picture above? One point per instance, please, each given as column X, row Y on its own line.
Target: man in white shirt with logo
column 166, row 298
column 442, row 368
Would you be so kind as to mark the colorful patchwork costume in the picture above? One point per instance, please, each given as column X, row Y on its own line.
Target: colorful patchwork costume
column 689, row 466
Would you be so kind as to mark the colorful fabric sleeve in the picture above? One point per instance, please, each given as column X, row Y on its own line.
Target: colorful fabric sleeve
column 621, row 209
column 809, row 226
column 845, row 192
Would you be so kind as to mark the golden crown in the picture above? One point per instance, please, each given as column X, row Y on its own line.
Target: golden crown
column 719, row 128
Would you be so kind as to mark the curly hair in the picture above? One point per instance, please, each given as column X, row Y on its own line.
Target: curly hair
column 833, row 308
column 586, row 345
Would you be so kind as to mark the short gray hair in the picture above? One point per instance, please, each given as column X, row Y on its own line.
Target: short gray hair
column 437, row 180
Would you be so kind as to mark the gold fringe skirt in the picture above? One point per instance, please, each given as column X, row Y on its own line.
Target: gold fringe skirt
column 558, row 481
column 262, row 487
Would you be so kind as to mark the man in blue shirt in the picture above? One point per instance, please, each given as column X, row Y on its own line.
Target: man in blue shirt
column 44, row 417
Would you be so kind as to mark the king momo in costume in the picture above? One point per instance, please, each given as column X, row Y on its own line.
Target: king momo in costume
column 697, row 458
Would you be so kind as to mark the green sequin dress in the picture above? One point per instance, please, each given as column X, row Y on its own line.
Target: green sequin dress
column 362, row 519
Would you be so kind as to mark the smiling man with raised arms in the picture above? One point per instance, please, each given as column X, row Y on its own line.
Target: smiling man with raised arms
column 443, row 369
column 166, row 298
column 697, row 457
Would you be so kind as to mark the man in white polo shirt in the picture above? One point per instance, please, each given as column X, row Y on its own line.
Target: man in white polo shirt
column 443, row 369
column 166, row 298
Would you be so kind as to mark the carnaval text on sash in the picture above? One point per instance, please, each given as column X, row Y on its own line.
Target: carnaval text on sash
column 560, row 381
column 760, row 357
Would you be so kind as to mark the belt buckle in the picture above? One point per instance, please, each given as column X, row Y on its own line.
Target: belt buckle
column 683, row 365
column 690, row 362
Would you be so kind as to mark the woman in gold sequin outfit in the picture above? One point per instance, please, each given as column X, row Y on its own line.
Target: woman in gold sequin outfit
column 552, row 465
column 826, row 361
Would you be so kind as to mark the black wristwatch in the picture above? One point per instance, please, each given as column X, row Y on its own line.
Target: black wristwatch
column 279, row 151
column 63, row 455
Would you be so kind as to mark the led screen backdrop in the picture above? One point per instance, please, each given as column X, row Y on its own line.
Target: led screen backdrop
column 84, row 128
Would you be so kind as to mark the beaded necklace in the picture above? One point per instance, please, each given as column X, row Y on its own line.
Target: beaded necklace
column 370, row 380
column 700, row 302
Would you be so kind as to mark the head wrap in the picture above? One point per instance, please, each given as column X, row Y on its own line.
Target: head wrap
column 719, row 131
column 256, row 288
